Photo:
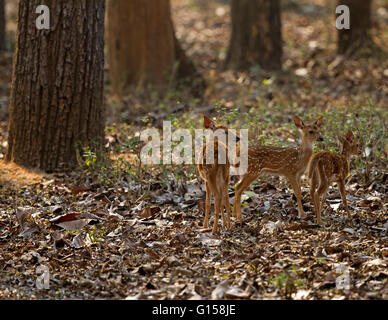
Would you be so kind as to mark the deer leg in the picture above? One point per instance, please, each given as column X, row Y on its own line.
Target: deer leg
column 236, row 200
column 298, row 193
column 207, row 206
column 323, row 200
column 322, row 190
column 313, row 194
column 227, row 206
column 240, row 187
column 222, row 211
column 317, row 208
column 222, row 190
column 226, row 201
column 341, row 186
column 223, row 214
column 313, row 186
column 217, row 206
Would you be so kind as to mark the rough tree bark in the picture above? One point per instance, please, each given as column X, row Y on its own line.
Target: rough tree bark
column 256, row 36
column 142, row 47
column 56, row 103
column 358, row 36
column 3, row 41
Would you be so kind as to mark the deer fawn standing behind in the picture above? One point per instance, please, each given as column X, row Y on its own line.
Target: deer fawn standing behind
column 216, row 176
column 288, row 162
column 326, row 168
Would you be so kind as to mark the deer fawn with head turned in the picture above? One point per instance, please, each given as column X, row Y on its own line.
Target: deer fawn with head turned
column 288, row 162
column 216, row 175
column 326, row 168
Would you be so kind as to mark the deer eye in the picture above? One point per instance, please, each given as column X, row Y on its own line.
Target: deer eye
column 311, row 131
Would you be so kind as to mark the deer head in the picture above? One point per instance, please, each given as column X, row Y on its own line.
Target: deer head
column 310, row 132
column 350, row 144
column 210, row 124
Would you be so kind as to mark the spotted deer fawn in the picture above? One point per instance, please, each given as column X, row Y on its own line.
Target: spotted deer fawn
column 326, row 168
column 288, row 162
column 216, row 176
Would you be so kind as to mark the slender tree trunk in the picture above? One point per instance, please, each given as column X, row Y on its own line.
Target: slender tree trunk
column 56, row 103
column 142, row 48
column 256, row 37
column 358, row 36
column 3, row 41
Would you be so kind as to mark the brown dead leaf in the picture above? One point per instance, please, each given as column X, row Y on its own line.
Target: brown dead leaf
column 73, row 225
column 66, row 217
column 151, row 253
column 149, row 212
column 328, row 281
column 79, row 189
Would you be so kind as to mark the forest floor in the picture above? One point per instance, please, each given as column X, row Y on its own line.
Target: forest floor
column 115, row 229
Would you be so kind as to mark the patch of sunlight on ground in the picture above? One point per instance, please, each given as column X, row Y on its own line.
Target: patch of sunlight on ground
column 17, row 175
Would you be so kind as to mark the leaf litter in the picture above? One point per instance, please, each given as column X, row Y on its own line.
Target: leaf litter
column 139, row 240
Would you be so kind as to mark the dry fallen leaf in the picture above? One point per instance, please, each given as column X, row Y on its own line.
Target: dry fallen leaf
column 74, row 225
column 149, row 212
column 220, row 290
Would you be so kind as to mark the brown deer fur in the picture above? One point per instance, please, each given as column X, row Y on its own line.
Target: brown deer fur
column 326, row 168
column 216, row 177
column 288, row 162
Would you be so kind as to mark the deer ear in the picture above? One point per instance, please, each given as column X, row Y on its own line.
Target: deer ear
column 208, row 123
column 341, row 139
column 349, row 136
column 298, row 122
column 319, row 122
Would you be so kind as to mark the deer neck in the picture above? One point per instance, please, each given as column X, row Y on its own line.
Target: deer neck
column 306, row 148
column 346, row 154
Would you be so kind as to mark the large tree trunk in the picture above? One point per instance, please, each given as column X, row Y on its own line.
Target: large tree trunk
column 3, row 41
column 350, row 40
column 56, row 103
column 142, row 48
column 256, row 37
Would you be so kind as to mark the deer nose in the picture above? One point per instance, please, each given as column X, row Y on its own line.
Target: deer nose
column 320, row 139
column 237, row 138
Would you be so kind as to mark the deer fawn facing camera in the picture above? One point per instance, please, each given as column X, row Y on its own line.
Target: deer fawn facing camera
column 288, row 162
column 216, row 175
column 326, row 168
